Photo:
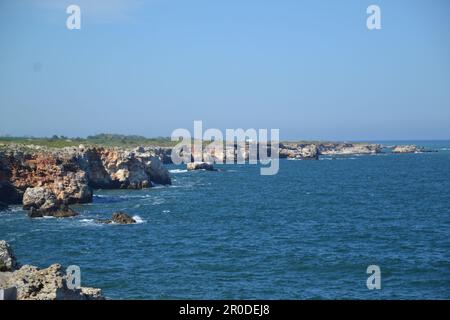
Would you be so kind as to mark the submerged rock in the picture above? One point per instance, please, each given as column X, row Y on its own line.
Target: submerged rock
column 200, row 166
column 8, row 261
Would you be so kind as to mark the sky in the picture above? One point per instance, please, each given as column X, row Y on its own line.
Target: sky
column 311, row 69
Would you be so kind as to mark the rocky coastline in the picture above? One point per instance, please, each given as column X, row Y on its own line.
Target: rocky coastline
column 46, row 181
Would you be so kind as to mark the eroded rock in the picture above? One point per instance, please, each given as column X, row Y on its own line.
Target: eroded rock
column 8, row 261
column 47, row 284
column 40, row 202
column 32, row 283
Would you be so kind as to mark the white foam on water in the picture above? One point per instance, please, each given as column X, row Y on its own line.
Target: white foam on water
column 14, row 209
column 138, row 219
column 158, row 186
column 166, row 211
column 178, row 171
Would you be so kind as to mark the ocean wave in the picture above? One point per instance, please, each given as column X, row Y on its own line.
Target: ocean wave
column 166, row 211
column 88, row 221
column 94, row 222
column 13, row 209
column 444, row 149
column 138, row 219
column 178, row 171
column 158, row 186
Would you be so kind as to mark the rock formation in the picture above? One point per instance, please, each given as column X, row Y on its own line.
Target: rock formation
column 33, row 283
column 41, row 202
column 407, row 149
column 126, row 169
column 68, row 175
column 119, row 217
column 299, row 151
column 46, row 284
column 348, row 148
column 200, row 166
column 8, row 261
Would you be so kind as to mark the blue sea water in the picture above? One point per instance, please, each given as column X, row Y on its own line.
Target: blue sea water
column 309, row 232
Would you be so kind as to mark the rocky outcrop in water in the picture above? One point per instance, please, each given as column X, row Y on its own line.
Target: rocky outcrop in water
column 119, row 217
column 407, row 149
column 32, row 283
column 200, row 166
column 40, row 202
column 348, row 148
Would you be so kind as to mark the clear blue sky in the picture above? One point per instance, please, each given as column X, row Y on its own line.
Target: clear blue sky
column 310, row 68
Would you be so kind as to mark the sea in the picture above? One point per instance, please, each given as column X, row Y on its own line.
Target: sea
column 309, row 232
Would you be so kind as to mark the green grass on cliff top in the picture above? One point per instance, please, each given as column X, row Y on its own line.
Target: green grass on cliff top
column 97, row 140
column 107, row 140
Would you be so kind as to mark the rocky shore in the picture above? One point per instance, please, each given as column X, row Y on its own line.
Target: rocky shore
column 32, row 283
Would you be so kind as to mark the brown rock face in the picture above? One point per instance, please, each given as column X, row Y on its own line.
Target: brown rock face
column 69, row 174
column 58, row 173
